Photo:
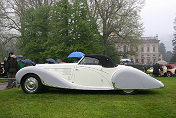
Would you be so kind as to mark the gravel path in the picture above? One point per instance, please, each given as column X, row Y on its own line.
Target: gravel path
column 3, row 86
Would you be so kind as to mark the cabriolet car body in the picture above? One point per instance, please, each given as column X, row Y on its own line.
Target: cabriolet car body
column 92, row 72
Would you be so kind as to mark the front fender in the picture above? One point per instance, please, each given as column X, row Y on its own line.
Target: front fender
column 132, row 78
column 47, row 77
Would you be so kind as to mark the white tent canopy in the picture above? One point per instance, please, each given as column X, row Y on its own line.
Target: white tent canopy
column 162, row 62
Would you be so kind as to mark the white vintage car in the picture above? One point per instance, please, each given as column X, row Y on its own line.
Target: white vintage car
column 92, row 72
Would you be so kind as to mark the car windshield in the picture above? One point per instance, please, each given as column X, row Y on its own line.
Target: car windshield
column 90, row 61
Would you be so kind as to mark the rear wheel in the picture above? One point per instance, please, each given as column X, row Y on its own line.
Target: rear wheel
column 31, row 84
column 128, row 92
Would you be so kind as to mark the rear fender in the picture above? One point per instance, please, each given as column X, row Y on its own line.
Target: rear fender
column 131, row 78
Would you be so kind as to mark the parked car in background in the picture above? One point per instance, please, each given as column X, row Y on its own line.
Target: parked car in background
column 171, row 70
column 150, row 70
column 140, row 67
column 143, row 68
column 2, row 70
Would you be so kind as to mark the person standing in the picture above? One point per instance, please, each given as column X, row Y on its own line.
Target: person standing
column 164, row 70
column 6, row 71
column 156, row 69
column 12, row 68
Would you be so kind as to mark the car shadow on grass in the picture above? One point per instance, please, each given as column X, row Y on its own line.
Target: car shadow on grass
column 103, row 92
column 145, row 92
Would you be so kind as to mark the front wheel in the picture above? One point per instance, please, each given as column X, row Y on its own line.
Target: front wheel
column 31, row 84
column 128, row 92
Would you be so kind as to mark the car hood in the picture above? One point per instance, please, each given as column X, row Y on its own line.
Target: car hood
column 62, row 65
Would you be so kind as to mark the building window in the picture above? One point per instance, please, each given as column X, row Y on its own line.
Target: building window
column 136, row 49
column 124, row 48
column 148, row 60
column 118, row 48
column 153, row 49
column 137, row 61
column 148, row 49
column 131, row 48
column 142, row 49
column 142, row 61
column 154, row 60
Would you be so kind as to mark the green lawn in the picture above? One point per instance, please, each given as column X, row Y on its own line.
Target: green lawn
column 156, row 103
column 3, row 80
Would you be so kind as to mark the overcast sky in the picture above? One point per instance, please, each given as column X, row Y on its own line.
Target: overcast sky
column 158, row 17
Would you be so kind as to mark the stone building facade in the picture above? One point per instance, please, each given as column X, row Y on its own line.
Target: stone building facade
column 146, row 52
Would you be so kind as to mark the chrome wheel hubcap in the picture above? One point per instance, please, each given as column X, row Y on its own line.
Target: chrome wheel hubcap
column 31, row 84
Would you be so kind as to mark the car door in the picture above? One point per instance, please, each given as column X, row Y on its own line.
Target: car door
column 90, row 74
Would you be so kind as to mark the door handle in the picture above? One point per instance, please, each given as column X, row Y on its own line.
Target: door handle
column 76, row 69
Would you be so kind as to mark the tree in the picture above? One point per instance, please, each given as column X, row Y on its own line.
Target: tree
column 57, row 31
column 7, row 39
column 173, row 59
column 35, row 33
column 8, row 43
column 11, row 14
column 60, row 30
column 13, row 17
column 117, row 17
column 168, row 56
column 73, row 29
column 162, row 50
column 85, row 30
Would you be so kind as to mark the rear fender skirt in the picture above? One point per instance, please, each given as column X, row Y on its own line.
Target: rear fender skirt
column 132, row 78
